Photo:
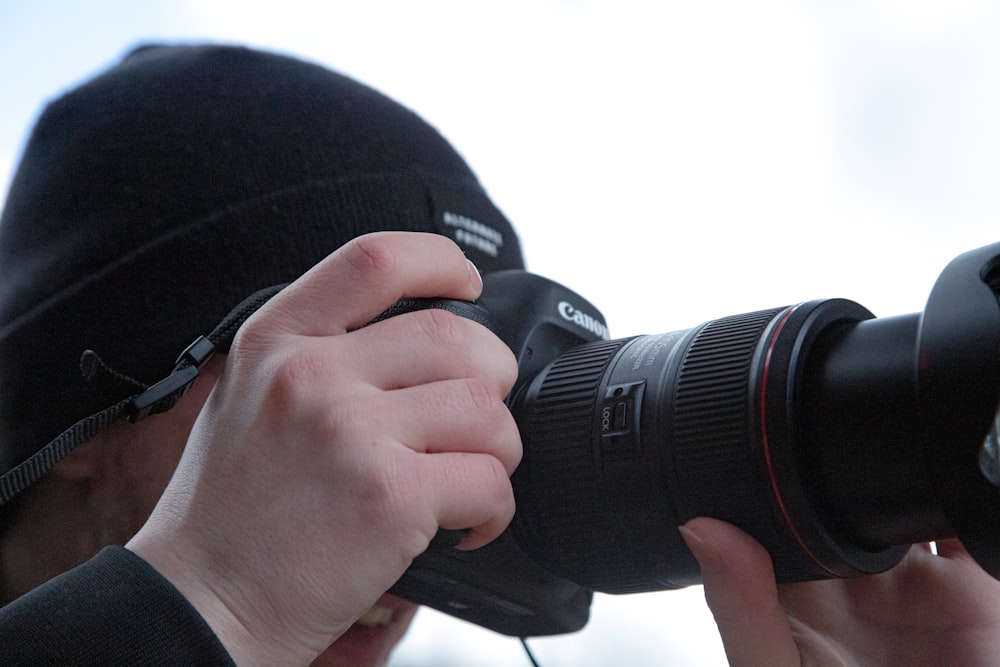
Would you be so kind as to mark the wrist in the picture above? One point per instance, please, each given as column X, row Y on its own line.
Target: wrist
column 232, row 615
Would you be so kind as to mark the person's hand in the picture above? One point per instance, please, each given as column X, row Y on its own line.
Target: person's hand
column 329, row 452
column 929, row 610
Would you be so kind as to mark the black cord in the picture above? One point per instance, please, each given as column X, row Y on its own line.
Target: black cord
column 146, row 399
column 531, row 656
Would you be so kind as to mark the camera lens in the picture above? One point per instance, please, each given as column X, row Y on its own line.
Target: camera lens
column 835, row 438
column 625, row 440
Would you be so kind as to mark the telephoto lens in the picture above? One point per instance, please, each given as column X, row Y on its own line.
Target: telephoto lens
column 835, row 438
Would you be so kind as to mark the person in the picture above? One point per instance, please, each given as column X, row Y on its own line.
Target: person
column 267, row 512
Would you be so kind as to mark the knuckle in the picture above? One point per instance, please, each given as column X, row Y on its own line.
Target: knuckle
column 445, row 329
column 497, row 496
column 294, row 377
column 470, row 346
column 250, row 337
column 508, row 370
column 371, row 256
column 481, row 398
column 511, row 450
column 499, row 482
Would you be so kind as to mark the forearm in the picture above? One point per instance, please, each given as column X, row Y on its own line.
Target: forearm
column 114, row 609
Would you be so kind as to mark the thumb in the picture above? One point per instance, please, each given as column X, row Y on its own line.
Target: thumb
column 742, row 594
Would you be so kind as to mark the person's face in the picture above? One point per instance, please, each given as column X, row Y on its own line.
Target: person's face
column 368, row 643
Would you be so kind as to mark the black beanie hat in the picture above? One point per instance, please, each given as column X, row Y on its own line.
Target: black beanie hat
column 154, row 198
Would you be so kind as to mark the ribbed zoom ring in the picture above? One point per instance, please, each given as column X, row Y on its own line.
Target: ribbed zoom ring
column 712, row 409
column 561, row 503
column 717, row 458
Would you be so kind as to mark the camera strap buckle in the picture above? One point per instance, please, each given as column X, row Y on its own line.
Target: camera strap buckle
column 163, row 395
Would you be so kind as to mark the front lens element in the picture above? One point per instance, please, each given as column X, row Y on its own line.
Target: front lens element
column 989, row 453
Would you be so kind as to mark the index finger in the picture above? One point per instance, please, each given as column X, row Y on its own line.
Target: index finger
column 365, row 276
column 741, row 592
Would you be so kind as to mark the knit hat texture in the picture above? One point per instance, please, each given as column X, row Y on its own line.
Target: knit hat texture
column 155, row 197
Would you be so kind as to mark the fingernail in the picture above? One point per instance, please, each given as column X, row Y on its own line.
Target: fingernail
column 707, row 555
column 475, row 273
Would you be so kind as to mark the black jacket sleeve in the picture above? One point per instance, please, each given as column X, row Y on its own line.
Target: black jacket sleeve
column 113, row 610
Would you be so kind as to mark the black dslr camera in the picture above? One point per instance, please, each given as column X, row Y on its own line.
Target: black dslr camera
column 835, row 438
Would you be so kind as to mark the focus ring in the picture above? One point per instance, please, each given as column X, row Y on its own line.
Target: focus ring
column 716, row 438
column 711, row 416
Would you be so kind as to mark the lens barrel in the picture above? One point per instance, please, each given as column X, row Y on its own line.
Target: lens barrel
column 834, row 438
column 625, row 440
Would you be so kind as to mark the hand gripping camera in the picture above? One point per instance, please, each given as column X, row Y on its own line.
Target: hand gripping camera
column 835, row 438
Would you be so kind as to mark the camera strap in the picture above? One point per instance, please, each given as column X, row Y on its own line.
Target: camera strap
column 144, row 401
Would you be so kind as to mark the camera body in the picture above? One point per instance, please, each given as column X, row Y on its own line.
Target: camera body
column 500, row 586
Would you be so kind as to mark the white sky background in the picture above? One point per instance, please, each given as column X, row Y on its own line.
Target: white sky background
column 671, row 161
